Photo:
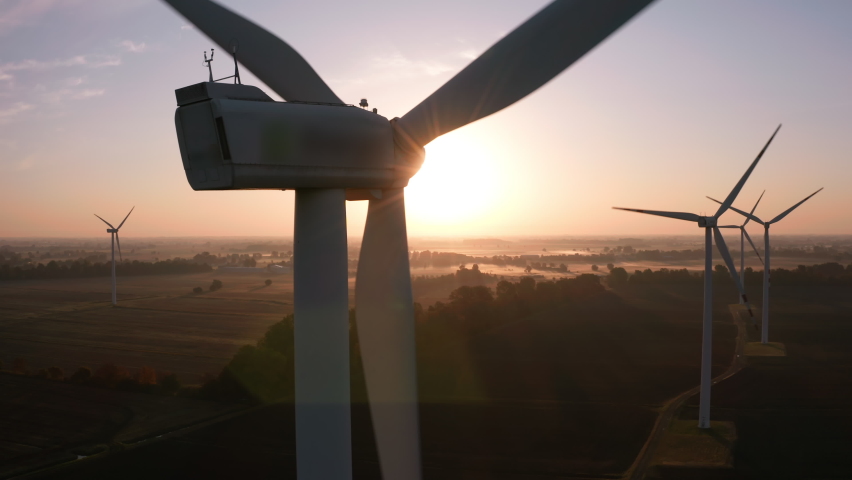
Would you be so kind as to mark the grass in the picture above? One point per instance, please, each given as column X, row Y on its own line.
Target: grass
column 684, row 444
column 769, row 349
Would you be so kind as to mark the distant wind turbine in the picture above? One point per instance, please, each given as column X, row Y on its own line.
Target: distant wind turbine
column 764, row 333
column 113, row 231
column 711, row 229
column 744, row 234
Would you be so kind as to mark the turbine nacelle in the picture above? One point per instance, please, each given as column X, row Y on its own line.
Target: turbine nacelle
column 112, row 230
column 236, row 137
column 705, row 222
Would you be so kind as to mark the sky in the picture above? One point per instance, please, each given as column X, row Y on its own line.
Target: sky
column 672, row 107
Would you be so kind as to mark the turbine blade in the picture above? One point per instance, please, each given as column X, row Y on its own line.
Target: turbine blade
column 110, row 225
column 723, row 249
column 125, row 218
column 728, row 226
column 752, row 245
column 517, row 65
column 118, row 243
column 747, row 215
column 786, row 212
column 690, row 217
column 739, row 186
column 754, row 207
column 385, row 323
column 267, row 56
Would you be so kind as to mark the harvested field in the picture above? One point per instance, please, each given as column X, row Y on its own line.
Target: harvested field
column 45, row 420
column 157, row 323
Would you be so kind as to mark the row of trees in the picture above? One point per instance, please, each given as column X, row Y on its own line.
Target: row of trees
column 84, row 268
column 264, row 372
column 822, row 274
column 108, row 375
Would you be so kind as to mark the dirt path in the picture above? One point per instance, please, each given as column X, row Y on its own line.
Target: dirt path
column 640, row 466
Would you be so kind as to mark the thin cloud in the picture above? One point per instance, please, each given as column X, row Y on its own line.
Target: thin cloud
column 15, row 109
column 16, row 13
column 91, row 61
column 133, row 47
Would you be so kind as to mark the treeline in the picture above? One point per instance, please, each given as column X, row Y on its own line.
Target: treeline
column 264, row 372
column 108, row 375
column 84, row 268
column 423, row 285
column 823, row 274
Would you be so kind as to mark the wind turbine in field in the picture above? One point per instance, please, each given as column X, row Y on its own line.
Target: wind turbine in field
column 233, row 136
column 711, row 229
column 744, row 235
column 764, row 331
column 113, row 231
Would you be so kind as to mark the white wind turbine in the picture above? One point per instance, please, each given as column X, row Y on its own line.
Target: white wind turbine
column 113, row 231
column 764, row 331
column 233, row 136
column 744, row 235
column 711, row 229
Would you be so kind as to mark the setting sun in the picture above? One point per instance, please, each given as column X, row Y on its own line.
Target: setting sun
column 457, row 183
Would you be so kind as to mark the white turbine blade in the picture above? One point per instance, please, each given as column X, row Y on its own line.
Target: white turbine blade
column 690, row 217
column 521, row 62
column 786, row 212
column 752, row 245
column 739, row 186
column 110, row 225
column 747, row 215
column 273, row 61
column 723, row 249
column 385, row 321
column 118, row 243
column 125, row 218
column 754, row 207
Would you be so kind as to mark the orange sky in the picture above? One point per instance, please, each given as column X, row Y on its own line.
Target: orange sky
column 671, row 108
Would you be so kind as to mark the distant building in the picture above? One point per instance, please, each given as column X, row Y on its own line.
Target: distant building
column 227, row 269
column 279, row 269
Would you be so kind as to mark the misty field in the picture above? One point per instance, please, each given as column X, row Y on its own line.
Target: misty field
column 158, row 323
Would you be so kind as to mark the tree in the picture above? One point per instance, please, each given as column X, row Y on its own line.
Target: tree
column 594, row 268
column 268, row 282
column 617, row 277
column 146, row 376
column 19, row 365
column 82, row 375
column 55, row 373
column 610, row 266
column 216, row 285
column 169, row 383
column 197, row 290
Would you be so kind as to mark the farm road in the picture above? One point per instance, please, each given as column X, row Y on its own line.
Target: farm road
column 640, row 466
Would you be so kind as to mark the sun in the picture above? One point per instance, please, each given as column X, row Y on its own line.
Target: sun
column 456, row 186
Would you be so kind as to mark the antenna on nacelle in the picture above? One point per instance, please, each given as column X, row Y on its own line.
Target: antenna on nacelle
column 208, row 61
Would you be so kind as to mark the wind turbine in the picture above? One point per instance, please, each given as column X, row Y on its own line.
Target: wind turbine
column 744, row 234
column 711, row 229
column 234, row 136
column 113, row 231
column 764, row 331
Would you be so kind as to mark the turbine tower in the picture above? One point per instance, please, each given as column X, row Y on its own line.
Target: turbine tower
column 744, row 235
column 711, row 229
column 234, row 136
column 113, row 231
column 764, row 330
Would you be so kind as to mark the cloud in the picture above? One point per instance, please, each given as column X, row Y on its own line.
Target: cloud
column 90, row 61
column 186, row 27
column 133, row 47
column 403, row 67
column 15, row 109
column 14, row 13
column 469, row 54
column 25, row 164
column 58, row 96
